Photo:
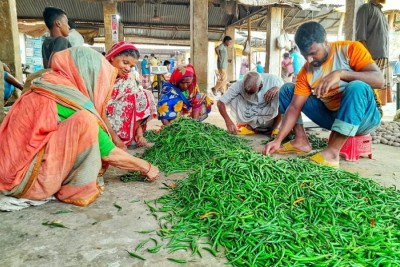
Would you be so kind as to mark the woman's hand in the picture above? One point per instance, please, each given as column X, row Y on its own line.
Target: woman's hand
column 152, row 173
column 118, row 142
column 125, row 161
column 141, row 141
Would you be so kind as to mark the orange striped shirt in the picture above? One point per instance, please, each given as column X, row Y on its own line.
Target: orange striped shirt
column 343, row 55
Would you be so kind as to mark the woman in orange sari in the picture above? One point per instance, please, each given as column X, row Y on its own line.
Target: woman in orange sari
column 54, row 139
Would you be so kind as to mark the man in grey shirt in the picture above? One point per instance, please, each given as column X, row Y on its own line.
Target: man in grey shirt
column 253, row 103
column 372, row 29
column 222, row 65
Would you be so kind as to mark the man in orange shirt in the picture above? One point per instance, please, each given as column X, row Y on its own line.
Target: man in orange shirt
column 333, row 89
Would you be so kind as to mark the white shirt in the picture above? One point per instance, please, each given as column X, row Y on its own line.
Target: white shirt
column 75, row 38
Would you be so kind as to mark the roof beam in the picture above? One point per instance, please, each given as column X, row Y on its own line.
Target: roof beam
column 308, row 20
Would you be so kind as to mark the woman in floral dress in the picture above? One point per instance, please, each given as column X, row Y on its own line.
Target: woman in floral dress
column 130, row 106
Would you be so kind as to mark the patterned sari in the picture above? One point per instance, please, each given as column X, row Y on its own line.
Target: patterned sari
column 174, row 103
column 47, row 156
column 128, row 106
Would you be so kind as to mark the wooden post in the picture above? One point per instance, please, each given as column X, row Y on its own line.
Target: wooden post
column 340, row 28
column 273, row 54
column 230, row 31
column 109, row 9
column 352, row 7
column 249, row 40
column 9, row 41
column 199, row 41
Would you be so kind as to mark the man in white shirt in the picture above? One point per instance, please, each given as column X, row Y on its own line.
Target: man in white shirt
column 74, row 37
column 253, row 102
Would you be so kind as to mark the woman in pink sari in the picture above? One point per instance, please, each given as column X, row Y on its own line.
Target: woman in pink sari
column 54, row 139
column 130, row 106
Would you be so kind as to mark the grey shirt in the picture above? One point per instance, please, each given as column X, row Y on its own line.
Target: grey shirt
column 372, row 27
column 51, row 45
column 222, row 63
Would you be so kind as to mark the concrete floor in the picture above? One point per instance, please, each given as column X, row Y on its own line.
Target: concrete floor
column 98, row 235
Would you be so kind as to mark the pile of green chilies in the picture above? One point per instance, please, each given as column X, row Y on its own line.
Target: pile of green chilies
column 267, row 212
column 186, row 143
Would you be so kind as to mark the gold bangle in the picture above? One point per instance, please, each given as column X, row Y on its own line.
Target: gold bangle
column 145, row 173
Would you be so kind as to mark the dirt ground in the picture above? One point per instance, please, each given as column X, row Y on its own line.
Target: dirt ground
column 98, row 235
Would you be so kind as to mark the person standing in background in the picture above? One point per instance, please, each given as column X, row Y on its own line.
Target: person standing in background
column 396, row 72
column 298, row 61
column 57, row 22
column 372, row 30
column 222, row 65
column 145, row 72
column 287, row 68
column 396, row 69
column 259, row 68
column 74, row 37
column 244, row 68
column 172, row 63
column 153, row 62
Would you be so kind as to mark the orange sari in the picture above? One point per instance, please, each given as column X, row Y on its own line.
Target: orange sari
column 42, row 156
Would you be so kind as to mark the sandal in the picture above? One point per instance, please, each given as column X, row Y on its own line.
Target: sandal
column 288, row 148
column 319, row 159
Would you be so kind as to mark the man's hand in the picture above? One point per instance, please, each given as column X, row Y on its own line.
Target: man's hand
column 330, row 80
column 271, row 147
column 270, row 94
column 231, row 127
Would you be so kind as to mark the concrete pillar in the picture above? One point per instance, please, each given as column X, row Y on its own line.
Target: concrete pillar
column 109, row 9
column 350, row 20
column 9, row 41
column 230, row 31
column 273, row 54
column 199, row 41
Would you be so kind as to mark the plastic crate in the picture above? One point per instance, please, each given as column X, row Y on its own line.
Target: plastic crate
column 357, row 146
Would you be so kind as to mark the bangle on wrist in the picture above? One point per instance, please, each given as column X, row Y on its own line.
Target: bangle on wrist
column 145, row 173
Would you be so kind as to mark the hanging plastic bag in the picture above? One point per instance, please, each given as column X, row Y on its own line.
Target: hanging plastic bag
column 247, row 48
column 283, row 41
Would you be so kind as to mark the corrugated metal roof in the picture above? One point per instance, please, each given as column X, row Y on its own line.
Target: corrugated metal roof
column 75, row 9
column 174, row 15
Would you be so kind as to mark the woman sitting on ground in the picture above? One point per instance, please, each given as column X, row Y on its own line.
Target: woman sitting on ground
column 181, row 96
column 130, row 106
column 55, row 137
column 10, row 83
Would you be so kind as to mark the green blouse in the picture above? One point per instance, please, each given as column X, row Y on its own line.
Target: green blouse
column 105, row 142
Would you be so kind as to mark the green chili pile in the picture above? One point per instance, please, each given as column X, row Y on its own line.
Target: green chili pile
column 186, row 143
column 267, row 212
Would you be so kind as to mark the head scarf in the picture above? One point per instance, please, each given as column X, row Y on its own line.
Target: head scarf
column 183, row 72
column 86, row 70
column 118, row 48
